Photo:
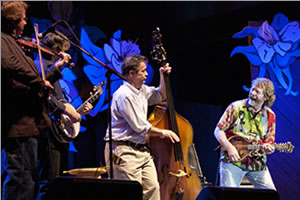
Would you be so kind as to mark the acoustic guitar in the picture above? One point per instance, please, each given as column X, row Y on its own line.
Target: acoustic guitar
column 250, row 147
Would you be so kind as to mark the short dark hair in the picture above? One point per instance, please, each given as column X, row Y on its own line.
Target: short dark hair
column 132, row 63
column 56, row 42
column 11, row 14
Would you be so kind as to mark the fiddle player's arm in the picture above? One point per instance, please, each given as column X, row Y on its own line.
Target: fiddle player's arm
column 48, row 84
column 62, row 60
column 11, row 63
column 233, row 154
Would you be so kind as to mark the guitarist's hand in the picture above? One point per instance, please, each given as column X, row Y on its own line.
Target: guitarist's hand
column 87, row 108
column 268, row 148
column 233, row 154
column 73, row 114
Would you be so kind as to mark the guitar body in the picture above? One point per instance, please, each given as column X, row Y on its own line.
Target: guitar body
column 241, row 144
column 71, row 129
column 66, row 130
column 251, row 147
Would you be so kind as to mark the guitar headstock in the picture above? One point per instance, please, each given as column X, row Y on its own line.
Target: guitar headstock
column 158, row 52
column 97, row 90
column 285, row 147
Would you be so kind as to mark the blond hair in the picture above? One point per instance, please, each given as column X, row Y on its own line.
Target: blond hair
column 268, row 88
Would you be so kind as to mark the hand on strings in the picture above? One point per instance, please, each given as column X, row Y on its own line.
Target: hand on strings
column 73, row 114
column 233, row 154
column 87, row 108
column 166, row 68
column 268, row 148
column 63, row 59
column 170, row 134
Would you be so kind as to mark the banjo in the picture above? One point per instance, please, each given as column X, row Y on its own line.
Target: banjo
column 66, row 130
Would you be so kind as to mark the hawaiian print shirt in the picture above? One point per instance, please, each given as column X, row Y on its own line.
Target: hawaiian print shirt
column 239, row 120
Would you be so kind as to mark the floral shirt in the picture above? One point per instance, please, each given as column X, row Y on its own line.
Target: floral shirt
column 239, row 120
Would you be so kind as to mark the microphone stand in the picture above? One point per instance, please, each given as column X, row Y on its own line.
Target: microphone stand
column 108, row 74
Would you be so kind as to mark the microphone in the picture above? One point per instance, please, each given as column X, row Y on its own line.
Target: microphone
column 49, row 29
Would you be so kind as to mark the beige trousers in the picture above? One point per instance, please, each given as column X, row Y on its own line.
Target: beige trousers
column 137, row 165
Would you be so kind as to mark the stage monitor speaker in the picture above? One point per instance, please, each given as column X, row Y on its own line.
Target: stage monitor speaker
column 71, row 188
column 226, row 193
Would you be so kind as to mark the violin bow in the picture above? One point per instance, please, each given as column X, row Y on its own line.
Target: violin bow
column 36, row 30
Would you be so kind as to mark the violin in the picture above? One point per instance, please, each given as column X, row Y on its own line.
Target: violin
column 28, row 45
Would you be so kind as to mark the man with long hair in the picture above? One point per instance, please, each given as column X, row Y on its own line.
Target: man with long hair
column 250, row 119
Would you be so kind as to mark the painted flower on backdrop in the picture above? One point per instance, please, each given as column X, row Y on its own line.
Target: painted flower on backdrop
column 274, row 49
column 118, row 50
column 112, row 55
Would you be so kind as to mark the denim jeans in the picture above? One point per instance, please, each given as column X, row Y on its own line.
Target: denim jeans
column 232, row 176
column 21, row 168
column 52, row 159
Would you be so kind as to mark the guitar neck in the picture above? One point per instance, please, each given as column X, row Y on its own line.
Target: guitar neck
column 279, row 147
column 90, row 100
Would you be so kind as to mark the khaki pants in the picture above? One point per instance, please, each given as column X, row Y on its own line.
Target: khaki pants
column 137, row 165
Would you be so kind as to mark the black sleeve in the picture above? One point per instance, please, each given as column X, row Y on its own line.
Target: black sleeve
column 56, row 107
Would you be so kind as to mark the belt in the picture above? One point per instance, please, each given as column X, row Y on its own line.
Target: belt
column 132, row 144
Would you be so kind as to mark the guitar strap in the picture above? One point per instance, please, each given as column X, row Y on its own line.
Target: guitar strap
column 65, row 95
column 66, row 99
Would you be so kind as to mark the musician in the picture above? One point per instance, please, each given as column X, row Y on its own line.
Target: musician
column 130, row 126
column 53, row 155
column 23, row 98
column 251, row 118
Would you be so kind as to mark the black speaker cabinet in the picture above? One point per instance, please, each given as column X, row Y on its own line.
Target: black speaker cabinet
column 229, row 193
column 71, row 188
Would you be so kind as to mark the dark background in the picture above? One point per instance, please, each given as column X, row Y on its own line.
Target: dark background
column 198, row 40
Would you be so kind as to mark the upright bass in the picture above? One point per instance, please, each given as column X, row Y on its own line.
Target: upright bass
column 177, row 164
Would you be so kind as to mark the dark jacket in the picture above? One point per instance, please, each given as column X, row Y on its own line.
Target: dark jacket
column 23, row 98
